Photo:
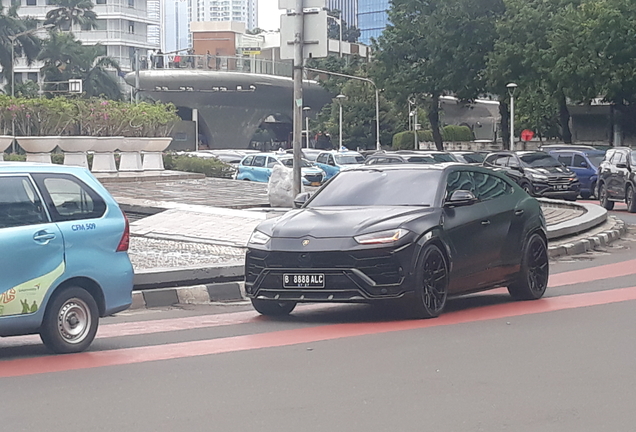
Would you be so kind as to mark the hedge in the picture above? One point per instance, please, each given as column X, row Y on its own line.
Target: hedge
column 451, row 133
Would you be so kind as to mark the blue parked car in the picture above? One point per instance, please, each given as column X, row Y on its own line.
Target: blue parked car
column 584, row 163
column 63, row 260
column 332, row 161
column 258, row 167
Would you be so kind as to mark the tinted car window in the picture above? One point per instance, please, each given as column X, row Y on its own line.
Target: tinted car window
column 632, row 158
column 490, row 187
column 441, row 157
column 460, row 180
column 322, row 159
column 579, row 161
column 248, row 160
column 70, row 199
column 19, row 203
column 390, row 188
column 513, row 162
column 421, row 159
column 271, row 162
column 289, row 162
column 619, row 157
column 500, row 160
column 259, row 161
column 596, row 159
column 537, row 160
column 567, row 160
column 473, row 157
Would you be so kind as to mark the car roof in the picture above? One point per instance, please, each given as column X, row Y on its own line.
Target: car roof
column 578, row 151
column 345, row 152
column 28, row 167
column 440, row 166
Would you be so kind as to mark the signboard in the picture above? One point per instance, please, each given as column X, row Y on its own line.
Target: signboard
column 527, row 135
column 251, row 50
column 314, row 35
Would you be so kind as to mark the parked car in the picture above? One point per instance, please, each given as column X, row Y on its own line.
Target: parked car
column 469, row 157
column 332, row 161
column 63, row 260
column 537, row 173
column 551, row 147
column 258, row 167
column 617, row 178
column 382, row 158
column 439, row 156
column 585, row 164
column 307, row 153
column 366, row 236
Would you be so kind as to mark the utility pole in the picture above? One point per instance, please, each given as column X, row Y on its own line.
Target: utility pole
column 299, row 31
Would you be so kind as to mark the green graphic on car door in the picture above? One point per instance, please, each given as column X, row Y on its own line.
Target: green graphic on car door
column 27, row 297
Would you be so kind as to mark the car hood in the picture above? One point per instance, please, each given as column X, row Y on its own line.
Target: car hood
column 330, row 222
column 311, row 170
column 559, row 171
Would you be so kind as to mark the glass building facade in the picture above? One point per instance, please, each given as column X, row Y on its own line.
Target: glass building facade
column 372, row 18
column 348, row 9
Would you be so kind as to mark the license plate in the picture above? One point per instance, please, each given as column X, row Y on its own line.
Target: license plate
column 561, row 187
column 315, row 183
column 305, row 280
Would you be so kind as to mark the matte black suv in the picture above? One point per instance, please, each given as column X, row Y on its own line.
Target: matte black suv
column 537, row 173
column 617, row 178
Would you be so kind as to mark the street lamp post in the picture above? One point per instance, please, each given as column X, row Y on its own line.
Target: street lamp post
column 307, row 109
column 340, row 98
column 377, row 99
column 511, row 91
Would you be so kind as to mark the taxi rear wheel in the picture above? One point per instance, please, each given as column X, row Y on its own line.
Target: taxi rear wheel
column 70, row 321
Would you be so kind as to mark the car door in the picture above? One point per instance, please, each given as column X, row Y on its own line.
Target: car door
column 620, row 174
column 328, row 165
column 583, row 170
column 468, row 231
column 32, row 252
column 245, row 169
column 259, row 169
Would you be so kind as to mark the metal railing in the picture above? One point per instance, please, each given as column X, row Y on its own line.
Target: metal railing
column 216, row 63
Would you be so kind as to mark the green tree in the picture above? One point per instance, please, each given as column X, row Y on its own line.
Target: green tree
column 72, row 12
column 435, row 48
column 523, row 54
column 66, row 58
column 26, row 45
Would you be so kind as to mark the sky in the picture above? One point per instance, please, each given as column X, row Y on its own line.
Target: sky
column 268, row 14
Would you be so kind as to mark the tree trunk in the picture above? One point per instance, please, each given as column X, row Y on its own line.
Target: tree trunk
column 505, row 123
column 433, row 117
column 564, row 119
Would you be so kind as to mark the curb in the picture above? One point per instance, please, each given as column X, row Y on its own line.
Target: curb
column 586, row 244
column 197, row 294
column 593, row 216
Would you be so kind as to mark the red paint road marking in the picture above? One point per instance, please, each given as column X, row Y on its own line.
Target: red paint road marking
column 89, row 360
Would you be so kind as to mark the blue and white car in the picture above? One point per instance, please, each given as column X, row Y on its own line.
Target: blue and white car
column 332, row 161
column 258, row 167
column 63, row 260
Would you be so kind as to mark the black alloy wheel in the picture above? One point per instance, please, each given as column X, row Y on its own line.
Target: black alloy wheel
column 528, row 188
column 433, row 289
column 273, row 307
column 533, row 277
column 603, row 197
column 630, row 199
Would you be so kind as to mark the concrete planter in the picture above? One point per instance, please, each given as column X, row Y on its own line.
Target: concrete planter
column 5, row 142
column 38, row 148
column 75, row 149
column 153, row 153
column 104, row 154
column 131, row 148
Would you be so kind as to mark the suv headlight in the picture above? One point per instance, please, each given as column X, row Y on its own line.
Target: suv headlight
column 539, row 177
column 258, row 238
column 382, row 237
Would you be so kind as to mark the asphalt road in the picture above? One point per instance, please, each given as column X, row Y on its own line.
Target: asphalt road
column 563, row 363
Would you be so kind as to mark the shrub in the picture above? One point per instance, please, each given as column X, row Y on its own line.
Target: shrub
column 457, row 133
column 210, row 167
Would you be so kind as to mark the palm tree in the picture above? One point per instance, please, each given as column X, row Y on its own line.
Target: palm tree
column 28, row 45
column 66, row 58
column 69, row 12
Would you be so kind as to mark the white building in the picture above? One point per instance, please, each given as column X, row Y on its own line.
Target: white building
column 122, row 28
column 175, row 25
column 244, row 11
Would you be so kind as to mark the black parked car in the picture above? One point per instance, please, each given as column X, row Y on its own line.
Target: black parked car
column 412, row 233
column 409, row 156
column 617, row 178
column 537, row 173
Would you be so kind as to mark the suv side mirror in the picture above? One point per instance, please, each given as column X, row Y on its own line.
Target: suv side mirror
column 301, row 199
column 460, row 198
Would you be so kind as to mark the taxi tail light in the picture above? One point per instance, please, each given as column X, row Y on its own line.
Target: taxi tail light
column 125, row 238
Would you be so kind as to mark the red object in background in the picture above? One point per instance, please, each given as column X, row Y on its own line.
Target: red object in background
column 527, row 134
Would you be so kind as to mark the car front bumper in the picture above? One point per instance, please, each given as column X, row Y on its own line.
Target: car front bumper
column 556, row 190
column 357, row 276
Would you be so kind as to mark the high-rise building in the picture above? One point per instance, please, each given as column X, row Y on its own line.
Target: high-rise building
column 175, row 26
column 372, row 18
column 122, row 28
column 155, row 13
column 244, row 11
column 348, row 10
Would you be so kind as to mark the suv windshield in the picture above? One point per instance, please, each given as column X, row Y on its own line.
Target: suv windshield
column 380, row 188
column 538, row 160
column 349, row 159
column 443, row 157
